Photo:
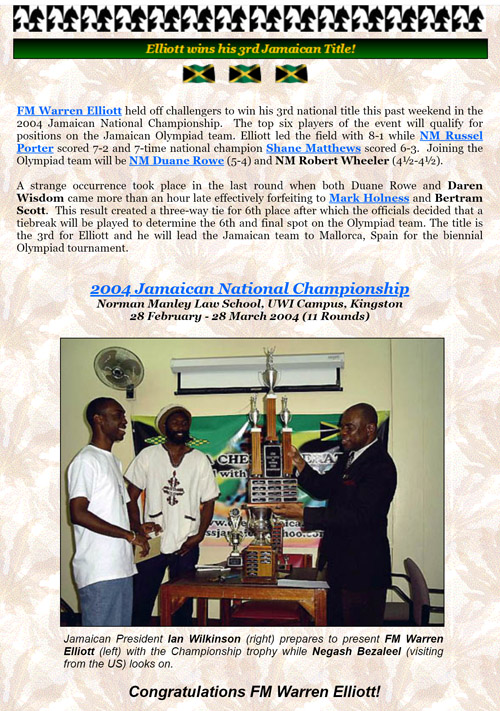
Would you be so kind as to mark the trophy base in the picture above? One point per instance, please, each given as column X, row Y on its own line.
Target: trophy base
column 235, row 561
column 259, row 565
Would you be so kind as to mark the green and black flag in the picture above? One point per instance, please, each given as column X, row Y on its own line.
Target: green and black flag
column 244, row 75
column 328, row 431
column 196, row 74
column 288, row 74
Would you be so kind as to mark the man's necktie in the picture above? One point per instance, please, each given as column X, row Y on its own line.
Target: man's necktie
column 350, row 460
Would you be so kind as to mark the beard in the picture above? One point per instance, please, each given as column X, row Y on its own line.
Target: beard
column 177, row 437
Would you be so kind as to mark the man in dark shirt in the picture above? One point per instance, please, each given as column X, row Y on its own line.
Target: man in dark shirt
column 359, row 489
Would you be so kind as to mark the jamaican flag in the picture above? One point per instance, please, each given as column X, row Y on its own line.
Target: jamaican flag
column 196, row 74
column 288, row 74
column 244, row 75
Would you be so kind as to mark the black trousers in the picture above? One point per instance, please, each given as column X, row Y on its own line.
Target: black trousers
column 356, row 608
column 147, row 585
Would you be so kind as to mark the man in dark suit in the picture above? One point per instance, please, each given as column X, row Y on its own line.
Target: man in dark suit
column 359, row 489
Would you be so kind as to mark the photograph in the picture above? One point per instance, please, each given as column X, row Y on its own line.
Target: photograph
column 272, row 481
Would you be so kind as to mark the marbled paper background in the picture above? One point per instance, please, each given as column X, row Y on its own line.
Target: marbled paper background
column 455, row 291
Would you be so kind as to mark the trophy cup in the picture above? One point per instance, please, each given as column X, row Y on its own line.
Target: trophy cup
column 270, row 378
column 260, row 558
column 234, row 537
column 270, row 375
column 259, row 526
column 269, row 482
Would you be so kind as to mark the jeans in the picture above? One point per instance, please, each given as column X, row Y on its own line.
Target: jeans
column 147, row 585
column 107, row 603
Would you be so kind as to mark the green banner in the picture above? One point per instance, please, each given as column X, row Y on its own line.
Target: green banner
column 226, row 441
column 250, row 49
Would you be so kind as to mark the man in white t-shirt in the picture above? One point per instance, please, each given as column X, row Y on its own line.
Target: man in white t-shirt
column 180, row 496
column 103, row 564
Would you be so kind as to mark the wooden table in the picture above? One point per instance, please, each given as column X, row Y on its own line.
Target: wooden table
column 209, row 585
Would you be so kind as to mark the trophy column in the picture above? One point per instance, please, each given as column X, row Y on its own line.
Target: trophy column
column 256, row 458
column 286, row 438
column 271, row 417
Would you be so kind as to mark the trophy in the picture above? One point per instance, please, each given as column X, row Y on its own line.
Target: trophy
column 270, row 481
column 234, row 537
column 254, row 414
column 260, row 526
column 270, row 375
column 270, row 378
column 286, row 437
column 271, row 450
